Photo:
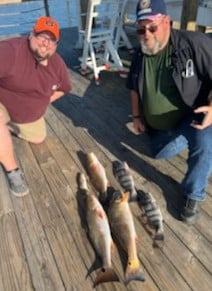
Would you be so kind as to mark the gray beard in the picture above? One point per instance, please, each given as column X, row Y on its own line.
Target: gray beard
column 154, row 51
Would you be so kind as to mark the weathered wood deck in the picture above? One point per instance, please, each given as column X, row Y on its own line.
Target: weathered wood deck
column 44, row 245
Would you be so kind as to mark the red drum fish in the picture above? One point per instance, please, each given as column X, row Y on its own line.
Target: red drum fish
column 122, row 226
column 97, row 175
column 99, row 233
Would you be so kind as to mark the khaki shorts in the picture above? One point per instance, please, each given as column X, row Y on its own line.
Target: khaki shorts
column 34, row 132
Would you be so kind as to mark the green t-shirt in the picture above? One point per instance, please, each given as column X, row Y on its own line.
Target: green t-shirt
column 162, row 103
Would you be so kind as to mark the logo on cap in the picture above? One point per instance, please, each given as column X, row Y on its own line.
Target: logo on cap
column 144, row 4
column 49, row 23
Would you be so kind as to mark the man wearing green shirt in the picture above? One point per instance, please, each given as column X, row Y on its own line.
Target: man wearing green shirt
column 171, row 92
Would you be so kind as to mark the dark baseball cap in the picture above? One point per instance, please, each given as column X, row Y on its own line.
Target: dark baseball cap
column 148, row 9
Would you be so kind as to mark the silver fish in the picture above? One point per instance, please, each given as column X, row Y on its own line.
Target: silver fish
column 122, row 173
column 99, row 233
column 153, row 213
column 122, row 225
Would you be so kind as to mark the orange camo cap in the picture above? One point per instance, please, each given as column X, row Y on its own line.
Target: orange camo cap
column 47, row 23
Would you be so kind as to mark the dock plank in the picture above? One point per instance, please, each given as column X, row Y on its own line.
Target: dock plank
column 14, row 272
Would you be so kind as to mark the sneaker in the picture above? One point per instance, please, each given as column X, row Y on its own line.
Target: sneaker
column 191, row 211
column 17, row 183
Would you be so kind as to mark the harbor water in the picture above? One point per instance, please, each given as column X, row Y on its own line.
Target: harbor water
column 18, row 18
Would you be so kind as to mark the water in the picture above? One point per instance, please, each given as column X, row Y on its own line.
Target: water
column 18, row 18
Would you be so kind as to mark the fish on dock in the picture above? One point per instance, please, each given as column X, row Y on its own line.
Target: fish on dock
column 97, row 175
column 123, row 228
column 153, row 214
column 99, row 233
column 123, row 175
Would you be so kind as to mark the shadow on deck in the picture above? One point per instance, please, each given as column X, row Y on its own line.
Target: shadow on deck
column 44, row 245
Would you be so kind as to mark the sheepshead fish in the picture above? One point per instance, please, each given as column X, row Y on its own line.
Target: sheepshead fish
column 98, row 175
column 122, row 173
column 153, row 214
column 100, row 235
column 122, row 225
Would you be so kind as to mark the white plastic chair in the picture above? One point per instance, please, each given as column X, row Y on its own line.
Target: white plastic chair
column 121, row 38
column 99, row 31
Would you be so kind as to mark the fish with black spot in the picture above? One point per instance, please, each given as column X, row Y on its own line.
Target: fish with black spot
column 99, row 233
column 123, row 228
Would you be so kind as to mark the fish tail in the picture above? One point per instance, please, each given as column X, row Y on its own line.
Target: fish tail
column 105, row 275
column 158, row 238
column 134, row 271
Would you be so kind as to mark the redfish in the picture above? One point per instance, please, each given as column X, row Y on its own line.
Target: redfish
column 97, row 175
column 122, row 226
column 99, row 233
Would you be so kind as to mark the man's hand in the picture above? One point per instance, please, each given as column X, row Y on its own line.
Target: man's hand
column 138, row 126
column 207, row 120
column 56, row 95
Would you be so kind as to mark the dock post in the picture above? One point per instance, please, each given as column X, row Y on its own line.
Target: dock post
column 46, row 6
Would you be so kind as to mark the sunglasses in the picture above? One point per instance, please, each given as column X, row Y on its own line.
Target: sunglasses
column 152, row 28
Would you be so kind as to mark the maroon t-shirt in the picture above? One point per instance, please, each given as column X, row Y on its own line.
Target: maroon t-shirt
column 25, row 85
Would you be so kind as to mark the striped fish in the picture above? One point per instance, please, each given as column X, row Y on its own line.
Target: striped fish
column 153, row 214
column 122, row 174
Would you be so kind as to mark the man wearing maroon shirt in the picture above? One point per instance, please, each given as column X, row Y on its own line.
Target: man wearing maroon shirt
column 32, row 75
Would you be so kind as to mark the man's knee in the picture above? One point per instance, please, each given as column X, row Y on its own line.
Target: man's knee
column 37, row 140
column 34, row 132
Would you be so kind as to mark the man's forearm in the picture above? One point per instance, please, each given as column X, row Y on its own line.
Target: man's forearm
column 135, row 103
column 56, row 95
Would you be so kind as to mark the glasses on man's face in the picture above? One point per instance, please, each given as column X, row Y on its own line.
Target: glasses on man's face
column 142, row 30
column 50, row 40
column 151, row 28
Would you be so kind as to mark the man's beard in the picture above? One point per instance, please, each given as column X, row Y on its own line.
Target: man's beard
column 150, row 52
column 38, row 57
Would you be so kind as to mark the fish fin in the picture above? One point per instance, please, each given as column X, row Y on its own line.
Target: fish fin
column 113, row 247
column 134, row 271
column 125, row 196
column 158, row 239
column 159, row 236
column 105, row 275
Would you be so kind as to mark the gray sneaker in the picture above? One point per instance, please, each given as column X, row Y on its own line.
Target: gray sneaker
column 17, row 183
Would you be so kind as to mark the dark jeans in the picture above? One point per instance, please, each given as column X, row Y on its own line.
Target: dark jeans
column 166, row 144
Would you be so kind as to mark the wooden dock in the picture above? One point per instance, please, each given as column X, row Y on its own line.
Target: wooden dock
column 44, row 245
